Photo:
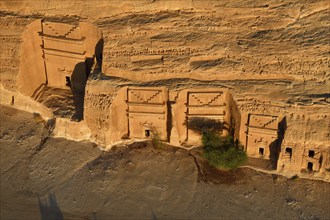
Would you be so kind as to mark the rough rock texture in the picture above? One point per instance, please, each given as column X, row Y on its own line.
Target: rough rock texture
column 272, row 56
column 62, row 179
column 235, row 39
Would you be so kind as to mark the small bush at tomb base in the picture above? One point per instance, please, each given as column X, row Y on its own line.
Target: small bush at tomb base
column 156, row 141
column 222, row 152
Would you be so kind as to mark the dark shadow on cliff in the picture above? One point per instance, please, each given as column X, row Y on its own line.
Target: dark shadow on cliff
column 235, row 117
column 201, row 125
column 49, row 209
column 169, row 121
column 275, row 146
column 96, row 70
column 78, row 83
column 99, row 56
column 80, row 75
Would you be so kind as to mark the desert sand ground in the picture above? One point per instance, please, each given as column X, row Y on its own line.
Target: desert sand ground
column 49, row 178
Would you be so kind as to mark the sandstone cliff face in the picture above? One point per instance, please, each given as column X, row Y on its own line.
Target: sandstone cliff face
column 273, row 57
column 214, row 40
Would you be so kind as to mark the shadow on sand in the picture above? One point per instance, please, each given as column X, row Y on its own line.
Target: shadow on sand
column 49, row 208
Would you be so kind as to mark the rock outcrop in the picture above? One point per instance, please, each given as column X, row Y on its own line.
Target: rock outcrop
column 259, row 68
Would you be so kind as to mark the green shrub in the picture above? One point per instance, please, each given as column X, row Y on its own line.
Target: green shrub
column 156, row 141
column 222, row 152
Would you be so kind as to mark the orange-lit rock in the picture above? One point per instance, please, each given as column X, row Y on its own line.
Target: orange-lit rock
column 126, row 71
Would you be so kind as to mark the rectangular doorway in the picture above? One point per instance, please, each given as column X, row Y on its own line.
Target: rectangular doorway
column 68, row 81
column 147, row 133
column 310, row 166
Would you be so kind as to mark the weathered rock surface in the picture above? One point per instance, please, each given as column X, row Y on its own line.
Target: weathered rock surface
column 272, row 56
column 75, row 180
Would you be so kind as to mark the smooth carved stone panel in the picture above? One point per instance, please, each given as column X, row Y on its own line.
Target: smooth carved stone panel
column 205, row 99
column 147, row 113
column 263, row 121
column 73, row 46
column 64, row 52
column 63, row 48
column 261, row 135
column 147, row 60
column 151, row 109
column 145, row 96
column 204, row 105
column 61, row 30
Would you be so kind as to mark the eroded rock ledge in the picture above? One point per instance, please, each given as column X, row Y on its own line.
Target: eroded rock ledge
column 261, row 70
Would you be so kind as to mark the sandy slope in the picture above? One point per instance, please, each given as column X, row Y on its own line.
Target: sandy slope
column 75, row 180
